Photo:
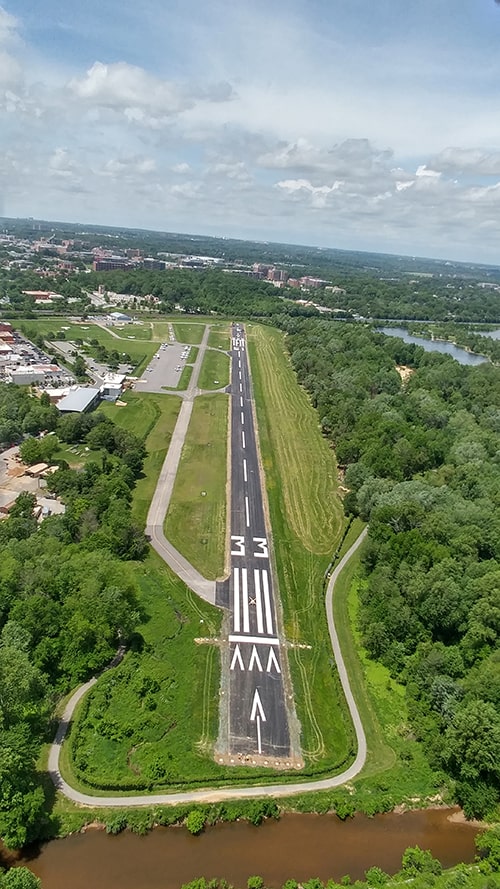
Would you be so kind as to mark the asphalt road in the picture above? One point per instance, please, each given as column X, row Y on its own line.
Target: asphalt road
column 257, row 712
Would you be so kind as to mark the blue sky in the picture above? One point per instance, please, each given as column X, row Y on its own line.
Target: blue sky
column 352, row 124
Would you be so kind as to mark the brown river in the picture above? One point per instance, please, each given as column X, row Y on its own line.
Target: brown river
column 298, row 846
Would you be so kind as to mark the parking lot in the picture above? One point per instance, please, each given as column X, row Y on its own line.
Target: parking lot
column 165, row 368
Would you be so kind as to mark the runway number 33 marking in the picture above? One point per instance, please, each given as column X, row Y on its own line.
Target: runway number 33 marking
column 238, row 546
column 262, row 550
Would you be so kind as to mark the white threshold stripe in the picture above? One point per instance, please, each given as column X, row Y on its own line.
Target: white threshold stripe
column 247, row 515
column 244, row 596
column 245, row 470
column 258, row 601
column 255, row 640
column 243, row 439
column 267, row 602
column 236, row 601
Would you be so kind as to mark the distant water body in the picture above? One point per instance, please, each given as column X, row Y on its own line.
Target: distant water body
column 460, row 355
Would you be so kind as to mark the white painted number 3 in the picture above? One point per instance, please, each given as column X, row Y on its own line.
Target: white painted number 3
column 262, row 552
column 238, row 548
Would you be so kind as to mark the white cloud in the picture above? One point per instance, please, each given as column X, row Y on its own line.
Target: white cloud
column 476, row 161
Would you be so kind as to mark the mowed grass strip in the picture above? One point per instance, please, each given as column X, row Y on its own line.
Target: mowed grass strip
column 214, row 373
column 196, row 519
column 327, row 737
column 152, row 417
column 188, row 333
column 308, row 475
column 219, row 337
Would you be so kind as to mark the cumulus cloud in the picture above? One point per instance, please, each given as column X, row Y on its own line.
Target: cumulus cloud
column 141, row 96
column 476, row 161
column 352, row 155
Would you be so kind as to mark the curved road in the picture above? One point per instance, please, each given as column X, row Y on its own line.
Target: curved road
column 216, row 795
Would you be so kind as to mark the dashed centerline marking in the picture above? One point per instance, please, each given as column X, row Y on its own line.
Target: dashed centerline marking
column 241, row 400
column 247, row 513
column 243, row 440
column 245, row 471
column 241, row 388
column 242, row 418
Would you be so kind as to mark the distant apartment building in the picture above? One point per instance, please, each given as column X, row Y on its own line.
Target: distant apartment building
column 313, row 283
column 110, row 265
column 150, row 263
column 259, row 270
column 277, row 275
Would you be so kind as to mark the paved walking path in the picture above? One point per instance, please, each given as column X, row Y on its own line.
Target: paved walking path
column 226, row 793
column 165, row 486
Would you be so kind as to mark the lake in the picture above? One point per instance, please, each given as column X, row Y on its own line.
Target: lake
column 460, row 355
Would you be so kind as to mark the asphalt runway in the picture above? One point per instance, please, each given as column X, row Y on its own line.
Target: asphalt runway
column 162, row 369
column 258, row 717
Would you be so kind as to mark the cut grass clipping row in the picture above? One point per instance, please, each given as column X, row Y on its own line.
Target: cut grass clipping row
column 196, row 519
column 307, row 524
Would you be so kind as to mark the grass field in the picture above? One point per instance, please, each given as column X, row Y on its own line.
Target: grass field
column 153, row 418
column 219, row 336
column 152, row 721
column 140, row 351
column 305, row 463
column 186, row 332
column 140, row 331
column 196, row 519
column 214, row 373
column 307, row 524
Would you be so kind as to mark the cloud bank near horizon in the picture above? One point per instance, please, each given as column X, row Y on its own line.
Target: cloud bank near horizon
column 301, row 122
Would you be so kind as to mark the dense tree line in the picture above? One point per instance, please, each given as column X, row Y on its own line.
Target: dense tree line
column 421, row 463
column 67, row 600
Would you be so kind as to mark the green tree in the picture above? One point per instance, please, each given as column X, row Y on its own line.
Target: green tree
column 19, row 878
column 195, row 821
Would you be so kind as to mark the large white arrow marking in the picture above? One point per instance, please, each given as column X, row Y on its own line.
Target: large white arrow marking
column 270, row 661
column 255, row 659
column 237, row 658
column 257, row 705
column 254, row 715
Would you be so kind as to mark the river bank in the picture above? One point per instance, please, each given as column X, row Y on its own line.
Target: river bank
column 296, row 845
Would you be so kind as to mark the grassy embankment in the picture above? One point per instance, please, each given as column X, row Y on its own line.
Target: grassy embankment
column 196, row 519
column 214, row 373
